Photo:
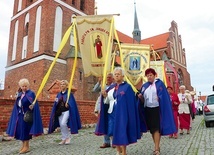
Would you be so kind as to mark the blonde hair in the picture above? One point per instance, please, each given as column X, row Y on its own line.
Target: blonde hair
column 24, row 81
column 64, row 81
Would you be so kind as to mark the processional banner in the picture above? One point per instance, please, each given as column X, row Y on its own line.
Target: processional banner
column 94, row 35
column 160, row 70
column 136, row 60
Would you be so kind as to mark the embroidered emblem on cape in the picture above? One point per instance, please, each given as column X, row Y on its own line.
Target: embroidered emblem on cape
column 122, row 93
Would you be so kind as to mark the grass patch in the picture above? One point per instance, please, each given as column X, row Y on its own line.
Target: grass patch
column 202, row 122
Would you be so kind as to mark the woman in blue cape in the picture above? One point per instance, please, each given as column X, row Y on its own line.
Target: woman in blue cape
column 64, row 114
column 155, row 107
column 17, row 127
column 119, row 115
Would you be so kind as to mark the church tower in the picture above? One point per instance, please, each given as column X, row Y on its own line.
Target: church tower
column 136, row 32
column 36, row 30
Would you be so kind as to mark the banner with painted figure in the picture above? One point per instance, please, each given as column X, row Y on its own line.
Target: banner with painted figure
column 94, row 35
column 160, row 70
column 136, row 60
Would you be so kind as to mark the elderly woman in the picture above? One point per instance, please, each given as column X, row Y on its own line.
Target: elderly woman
column 184, row 110
column 156, row 109
column 65, row 114
column 17, row 127
column 175, row 103
column 119, row 115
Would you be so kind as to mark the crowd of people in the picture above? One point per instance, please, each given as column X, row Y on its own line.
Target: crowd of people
column 123, row 115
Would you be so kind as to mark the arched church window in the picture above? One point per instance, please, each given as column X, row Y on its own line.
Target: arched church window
column 19, row 5
column 73, row 2
column 57, row 28
column 37, row 29
column 26, row 28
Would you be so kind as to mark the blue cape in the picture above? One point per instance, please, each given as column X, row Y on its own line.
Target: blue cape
column 37, row 127
column 74, row 118
column 126, row 128
column 167, row 124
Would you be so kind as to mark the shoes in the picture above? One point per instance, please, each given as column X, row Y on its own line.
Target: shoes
column 176, row 136
column 156, row 152
column 23, row 151
column 113, row 146
column 62, row 142
column 188, row 132
column 105, row 145
column 170, row 136
column 118, row 153
column 181, row 132
column 67, row 141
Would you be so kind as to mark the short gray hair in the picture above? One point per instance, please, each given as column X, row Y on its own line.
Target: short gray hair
column 120, row 69
column 24, row 81
column 110, row 74
column 182, row 87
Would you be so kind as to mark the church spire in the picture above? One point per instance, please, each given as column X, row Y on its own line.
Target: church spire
column 136, row 32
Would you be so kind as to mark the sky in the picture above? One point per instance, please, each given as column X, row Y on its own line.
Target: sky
column 195, row 20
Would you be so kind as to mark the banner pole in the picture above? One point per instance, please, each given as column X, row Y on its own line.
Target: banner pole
column 61, row 46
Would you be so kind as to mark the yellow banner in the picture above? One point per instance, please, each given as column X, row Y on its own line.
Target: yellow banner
column 159, row 68
column 136, row 60
column 95, row 42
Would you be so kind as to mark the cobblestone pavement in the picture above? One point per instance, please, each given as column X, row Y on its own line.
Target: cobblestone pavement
column 199, row 142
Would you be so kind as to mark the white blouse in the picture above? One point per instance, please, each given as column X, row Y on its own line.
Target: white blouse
column 185, row 99
column 150, row 96
column 110, row 100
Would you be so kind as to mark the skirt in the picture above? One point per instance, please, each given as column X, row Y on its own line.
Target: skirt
column 184, row 121
column 152, row 119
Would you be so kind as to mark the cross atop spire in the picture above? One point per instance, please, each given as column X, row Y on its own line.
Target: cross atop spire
column 136, row 32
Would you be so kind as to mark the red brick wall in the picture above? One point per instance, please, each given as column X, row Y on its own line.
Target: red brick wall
column 86, row 109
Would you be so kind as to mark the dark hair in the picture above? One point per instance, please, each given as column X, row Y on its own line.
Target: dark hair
column 150, row 70
column 169, row 87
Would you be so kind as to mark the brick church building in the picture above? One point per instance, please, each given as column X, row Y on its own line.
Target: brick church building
column 169, row 46
column 37, row 27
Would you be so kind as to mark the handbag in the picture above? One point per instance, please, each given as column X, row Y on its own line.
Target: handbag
column 58, row 112
column 28, row 116
column 60, row 108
